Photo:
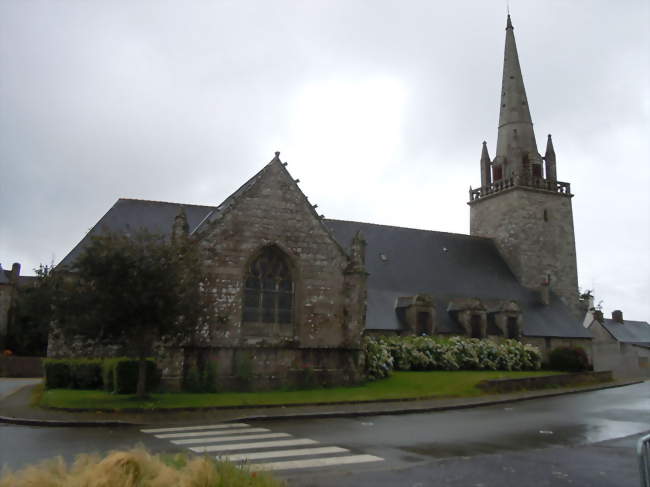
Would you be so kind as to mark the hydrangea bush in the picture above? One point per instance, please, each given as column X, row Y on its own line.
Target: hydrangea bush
column 384, row 354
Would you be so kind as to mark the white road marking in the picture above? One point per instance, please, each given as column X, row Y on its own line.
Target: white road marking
column 221, row 439
column 315, row 462
column 250, row 446
column 212, row 432
column 225, row 438
column 299, row 452
column 195, row 428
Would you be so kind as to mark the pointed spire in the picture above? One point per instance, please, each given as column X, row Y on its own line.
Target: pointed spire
column 549, row 159
column 486, row 175
column 516, row 137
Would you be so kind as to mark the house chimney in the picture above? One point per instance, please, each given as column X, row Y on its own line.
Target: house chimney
column 598, row 315
column 617, row 316
column 15, row 272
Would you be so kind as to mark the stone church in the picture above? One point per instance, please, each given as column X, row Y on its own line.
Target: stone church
column 296, row 291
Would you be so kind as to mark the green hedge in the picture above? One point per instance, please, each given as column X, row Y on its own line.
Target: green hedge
column 86, row 373
column 117, row 375
column 125, row 376
column 57, row 373
column 571, row 359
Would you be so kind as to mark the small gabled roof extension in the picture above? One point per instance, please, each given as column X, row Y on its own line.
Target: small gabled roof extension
column 634, row 332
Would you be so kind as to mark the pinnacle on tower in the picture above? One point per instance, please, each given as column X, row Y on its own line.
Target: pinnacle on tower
column 486, row 175
column 549, row 159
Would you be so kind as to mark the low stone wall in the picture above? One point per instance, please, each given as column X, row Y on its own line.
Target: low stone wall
column 265, row 368
column 544, row 382
column 21, row 367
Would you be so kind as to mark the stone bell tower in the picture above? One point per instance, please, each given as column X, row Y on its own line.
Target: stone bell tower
column 521, row 205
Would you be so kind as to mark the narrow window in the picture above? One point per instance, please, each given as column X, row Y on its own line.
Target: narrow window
column 537, row 171
column 422, row 325
column 268, row 289
column 513, row 329
column 497, row 173
column 475, row 323
column 545, row 215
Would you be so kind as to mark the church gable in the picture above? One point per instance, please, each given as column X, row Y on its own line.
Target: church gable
column 280, row 274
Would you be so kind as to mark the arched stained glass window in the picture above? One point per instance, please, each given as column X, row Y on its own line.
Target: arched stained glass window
column 268, row 288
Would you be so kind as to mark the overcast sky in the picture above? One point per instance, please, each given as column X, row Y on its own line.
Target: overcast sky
column 380, row 108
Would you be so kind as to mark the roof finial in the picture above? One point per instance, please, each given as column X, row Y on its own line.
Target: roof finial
column 277, row 153
column 509, row 23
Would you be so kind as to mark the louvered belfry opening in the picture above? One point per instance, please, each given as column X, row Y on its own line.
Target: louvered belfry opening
column 269, row 288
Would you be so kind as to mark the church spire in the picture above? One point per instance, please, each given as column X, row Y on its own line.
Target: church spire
column 516, row 139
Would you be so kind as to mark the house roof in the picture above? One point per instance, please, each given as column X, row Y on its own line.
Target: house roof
column 634, row 332
column 406, row 261
column 131, row 215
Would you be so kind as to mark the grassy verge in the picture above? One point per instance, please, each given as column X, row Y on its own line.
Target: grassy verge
column 401, row 385
column 137, row 467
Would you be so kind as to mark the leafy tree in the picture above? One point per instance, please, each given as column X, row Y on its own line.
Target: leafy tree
column 31, row 314
column 133, row 289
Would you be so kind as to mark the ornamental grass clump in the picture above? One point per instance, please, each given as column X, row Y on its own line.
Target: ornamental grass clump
column 136, row 468
column 455, row 353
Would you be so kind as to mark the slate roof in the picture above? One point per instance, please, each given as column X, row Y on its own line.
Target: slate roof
column 444, row 265
column 130, row 215
column 634, row 332
column 406, row 261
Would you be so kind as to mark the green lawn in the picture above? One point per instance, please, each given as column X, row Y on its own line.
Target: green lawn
column 401, row 385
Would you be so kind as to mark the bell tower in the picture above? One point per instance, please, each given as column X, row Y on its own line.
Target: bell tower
column 520, row 204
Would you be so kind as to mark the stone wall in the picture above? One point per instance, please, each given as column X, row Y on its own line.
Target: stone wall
column 21, row 366
column 533, row 230
column 495, row 386
column 275, row 212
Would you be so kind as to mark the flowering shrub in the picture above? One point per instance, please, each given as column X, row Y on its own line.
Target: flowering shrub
column 384, row 354
column 379, row 362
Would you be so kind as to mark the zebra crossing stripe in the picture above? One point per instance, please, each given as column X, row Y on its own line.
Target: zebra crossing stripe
column 212, row 432
column 315, row 462
column 221, row 439
column 195, row 428
column 250, row 446
column 298, row 452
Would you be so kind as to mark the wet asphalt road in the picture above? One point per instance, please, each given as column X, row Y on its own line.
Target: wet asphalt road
column 579, row 439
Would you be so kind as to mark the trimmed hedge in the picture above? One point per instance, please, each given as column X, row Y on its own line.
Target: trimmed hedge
column 57, row 373
column 117, row 375
column 121, row 375
column 86, row 373
column 384, row 354
column 571, row 359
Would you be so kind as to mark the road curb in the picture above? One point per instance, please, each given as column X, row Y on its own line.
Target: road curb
column 318, row 414
column 63, row 422
column 351, row 414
